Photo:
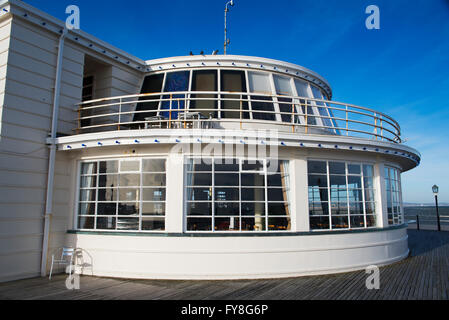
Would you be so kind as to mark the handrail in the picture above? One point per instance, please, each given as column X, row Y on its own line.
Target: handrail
column 305, row 115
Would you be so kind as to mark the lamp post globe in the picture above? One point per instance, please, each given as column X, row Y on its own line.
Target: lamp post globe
column 435, row 192
column 435, row 189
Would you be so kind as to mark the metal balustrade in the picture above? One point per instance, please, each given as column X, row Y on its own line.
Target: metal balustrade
column 237, row 110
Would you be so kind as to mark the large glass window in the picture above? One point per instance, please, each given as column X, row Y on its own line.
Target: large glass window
column 393, row 188
column 237, row 195
column 260, row 83
column 122, row 195
column 205, row 80
column 175, row 81
column 302, row 91
column 286, row 106
column 341, row 195
column 322, row 110
column 233, row 81
column 151, row 84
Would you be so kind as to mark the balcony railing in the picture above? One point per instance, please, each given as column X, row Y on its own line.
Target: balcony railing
column 236, row 110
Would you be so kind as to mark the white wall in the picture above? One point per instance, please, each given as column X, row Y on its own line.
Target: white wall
column 220, row 257
column 28, row 58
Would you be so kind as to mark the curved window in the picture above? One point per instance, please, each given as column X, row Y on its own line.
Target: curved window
column 260, row 83
column 393, row 189
column 302, row 91
column 151, row 84
column 174, row 81
column 233, row 81
column 237, row 195
column 322, row 110
column 204, row 80
column 286, row 106
column 341, row 195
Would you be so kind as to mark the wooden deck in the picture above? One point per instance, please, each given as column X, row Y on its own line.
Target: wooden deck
column 424, row 275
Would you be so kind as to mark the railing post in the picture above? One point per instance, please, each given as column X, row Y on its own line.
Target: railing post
column 417, row 222
column 241, row 112
column 375, row 124
column 177, row 118
column 169, row 114
column 119, row 113
column 293, row 116
column 79, row 120
column 381, row 129
column 306, row 107
column 347, row 121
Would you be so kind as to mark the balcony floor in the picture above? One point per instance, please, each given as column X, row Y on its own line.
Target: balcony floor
column 421, row 276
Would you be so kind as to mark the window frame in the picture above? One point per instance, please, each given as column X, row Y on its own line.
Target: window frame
column 329, row 188
column 213, row 200
column 117, row 188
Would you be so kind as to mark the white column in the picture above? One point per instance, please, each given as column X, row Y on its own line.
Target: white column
column 174, row 213
column 381, row 195
column 299, row 195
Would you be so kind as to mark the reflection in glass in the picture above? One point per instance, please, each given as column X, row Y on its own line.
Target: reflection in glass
column 199, row 209
column 108, row 167
column 151, row 84
column 153, row 194
column 199, row 224
column 129, row 180
column 227, row 224
column 86, row 223
column 107, row 181
column 127, row 209
column 175, row 81
column 319, row 223
column 153, row 208
column 155, row 224
column 227, row 208
column 106, row 223
column 233, row 81
column 153, row 179
column 253, row 179
column 253, row 209
column 106, row 209
column 279, row 223
column 153, row 165
column 254, row 224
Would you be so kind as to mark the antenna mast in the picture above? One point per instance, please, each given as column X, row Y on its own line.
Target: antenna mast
column 227, row 41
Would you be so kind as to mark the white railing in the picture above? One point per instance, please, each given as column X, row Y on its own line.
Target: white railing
column 206, row 109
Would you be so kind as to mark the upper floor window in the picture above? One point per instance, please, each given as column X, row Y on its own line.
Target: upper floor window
column 260, row 83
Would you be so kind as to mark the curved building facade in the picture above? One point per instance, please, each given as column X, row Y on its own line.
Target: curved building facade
column 236, row 167
column 196, row 167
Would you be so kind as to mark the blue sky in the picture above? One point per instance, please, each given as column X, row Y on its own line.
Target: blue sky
column 401, row 69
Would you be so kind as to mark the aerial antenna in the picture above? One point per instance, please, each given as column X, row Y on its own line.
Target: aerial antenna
column 227, row 41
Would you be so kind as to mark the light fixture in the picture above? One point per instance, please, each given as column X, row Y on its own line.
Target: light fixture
column 435, row 189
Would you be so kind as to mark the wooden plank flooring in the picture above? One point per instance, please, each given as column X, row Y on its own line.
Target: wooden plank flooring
column 424, row 275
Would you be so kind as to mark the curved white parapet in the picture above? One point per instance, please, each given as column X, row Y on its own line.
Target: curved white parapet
column 238, row 256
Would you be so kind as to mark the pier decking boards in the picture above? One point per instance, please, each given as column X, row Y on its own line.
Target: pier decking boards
column 424, row 275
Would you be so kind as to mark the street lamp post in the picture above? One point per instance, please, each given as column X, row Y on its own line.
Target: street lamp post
column 226, row 43
column 435, row 192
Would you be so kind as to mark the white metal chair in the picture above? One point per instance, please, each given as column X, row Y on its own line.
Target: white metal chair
column 66, row 259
